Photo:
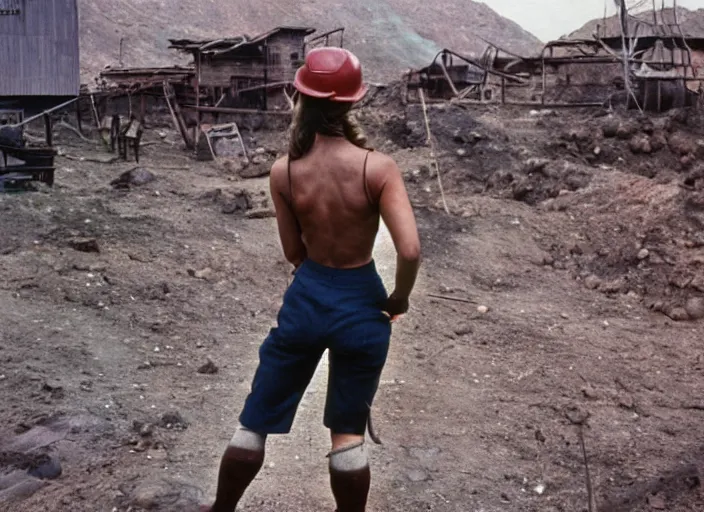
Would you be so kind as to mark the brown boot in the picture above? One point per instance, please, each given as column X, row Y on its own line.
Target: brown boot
column 237, row 470
column 350, row 489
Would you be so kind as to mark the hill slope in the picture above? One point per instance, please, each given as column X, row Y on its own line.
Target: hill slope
column 388, row 35
column 692, row 23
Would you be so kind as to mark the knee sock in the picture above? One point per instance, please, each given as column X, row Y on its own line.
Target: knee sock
column 350, row 478
column 241, row 462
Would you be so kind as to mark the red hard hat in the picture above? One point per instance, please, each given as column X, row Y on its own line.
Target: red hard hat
column 331, row 73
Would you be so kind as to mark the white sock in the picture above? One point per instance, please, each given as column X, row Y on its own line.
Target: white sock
column 247, row 440
column 351, row 458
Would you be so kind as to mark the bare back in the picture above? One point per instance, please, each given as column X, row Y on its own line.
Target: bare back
column 333, row 201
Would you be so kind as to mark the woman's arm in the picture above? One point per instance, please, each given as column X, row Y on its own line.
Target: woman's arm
column 289, row 229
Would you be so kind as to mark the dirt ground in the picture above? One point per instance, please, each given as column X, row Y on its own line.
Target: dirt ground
column 131, row 319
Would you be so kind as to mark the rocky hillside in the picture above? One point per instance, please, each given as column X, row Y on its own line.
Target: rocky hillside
column 692, row 23
column 389, row 35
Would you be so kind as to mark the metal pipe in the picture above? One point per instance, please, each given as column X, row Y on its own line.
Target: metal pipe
column 455, row 92
column 53, row 109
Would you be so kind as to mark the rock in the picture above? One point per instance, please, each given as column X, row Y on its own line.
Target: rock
column 640, row 144
column 680, row 144
column 643, row 254
column 695, row 308
column 680, row 280
column 135, row 177
column 55, row 388
column 521, row 189
column 232, row 165
column 657, row 503
column 589, row 392
column 626, row 402
column 610, row 127
column 143, row 429
column 263, row 213
column 625, row 131
column 257, row 170
column 242, row 201
column 461, row 152
column 577, row 134
column 45, row 468
column 19, row 491
column 647, row 126
column 577, row 249
column 173, row 420
column 260, row 151
column 539, row 489
column 615, row 286
column 677, row 314
column 208, row 368
column 548, row 260
column 205, row 273
column 686, row 162
column 417, row 475
column 463, row 330
column 592, row 282
column 482, row 310
column 698, row 283
column 535, row 165
column 657, row 306
column 84, row 244
column 658, row 141
column 576, row 416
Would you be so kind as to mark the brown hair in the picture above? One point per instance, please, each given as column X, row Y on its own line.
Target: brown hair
column 313, row 116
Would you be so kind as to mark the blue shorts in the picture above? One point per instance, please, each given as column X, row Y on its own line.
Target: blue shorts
column 324, row 308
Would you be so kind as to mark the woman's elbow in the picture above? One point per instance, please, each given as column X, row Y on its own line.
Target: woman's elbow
column 410, row 252
column 295, row 256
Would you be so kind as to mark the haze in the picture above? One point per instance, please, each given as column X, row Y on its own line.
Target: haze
column 551, row 19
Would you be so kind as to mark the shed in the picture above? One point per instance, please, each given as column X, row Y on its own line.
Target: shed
column 39, row 53
column 244, row 71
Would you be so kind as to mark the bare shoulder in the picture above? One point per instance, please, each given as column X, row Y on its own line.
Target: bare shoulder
column 381, row 166
column 279, row 171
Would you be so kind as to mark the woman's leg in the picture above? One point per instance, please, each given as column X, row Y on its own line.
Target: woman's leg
column 239, row 466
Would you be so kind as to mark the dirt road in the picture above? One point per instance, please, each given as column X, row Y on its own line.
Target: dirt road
column 104, row 354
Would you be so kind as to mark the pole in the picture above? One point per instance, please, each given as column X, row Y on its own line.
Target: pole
column 53, row 109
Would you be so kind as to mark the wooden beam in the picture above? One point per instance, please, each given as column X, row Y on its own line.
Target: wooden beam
column 49, row 129
column 224, row 110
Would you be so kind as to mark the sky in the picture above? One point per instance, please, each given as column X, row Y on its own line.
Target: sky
column 550, row 19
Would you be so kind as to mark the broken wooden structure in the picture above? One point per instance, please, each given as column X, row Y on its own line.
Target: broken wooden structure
column 246, row 73
column 242, row 75
column 664, row 65
column 135, row 91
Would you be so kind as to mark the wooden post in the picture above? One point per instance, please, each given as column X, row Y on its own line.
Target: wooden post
column 266, row 74
column 95, row 112
column 79, row 121
column 49, row 130
column 503, row 90
column 142, row 108
column 198, row 114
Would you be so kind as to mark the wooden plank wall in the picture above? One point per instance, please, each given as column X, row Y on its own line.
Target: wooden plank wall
column 39, row 53
column 283, row 48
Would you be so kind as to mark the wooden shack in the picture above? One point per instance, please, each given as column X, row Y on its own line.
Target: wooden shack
column 246, row 73
column 39, row 56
